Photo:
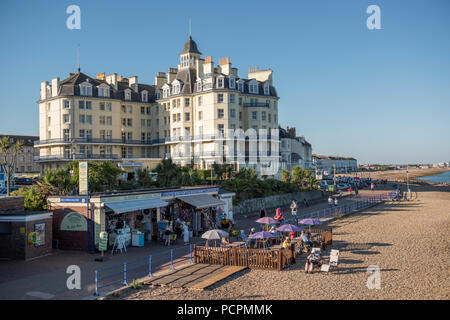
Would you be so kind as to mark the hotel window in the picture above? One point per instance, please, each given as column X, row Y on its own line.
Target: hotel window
column 263, row 115
column 130, row 135
column 109, row 121
column 187, row 116
column 102, row 106
column 149, row 123
column 241, row 86
column 102, row 120
column 130, row 122
column 103, row 91
column 66, row 118
column 66, row 134
column 102, row 150
column 220, row 127
column 88, row 135
column 200, row 115
column 81, row 134
column 89, row 119
column 124, row 136
column 187, row 132
column 157, row 122
column 127, row 94
column 144, row 96
column 220, row 82
column 232, row 113
column 130, row 109
column 240, row 116
column 269, row 117
column 124, row 109
column 66, row 104
column 231, row 98
column 109, row 136
column 240, row 101
column 149, row 137
column 149, row 110
column 142, row 123
column 268, row 103
column 124, row 152
column 88, row 105
column 200, row 101
column 124, row 122
column 85, row 90
column 102, row 134
column 266, row 89
column 220, row 98
column 174, row 116
column 109, row 106
column 187, row 102
column 220, row 113
column 232, row 83
column 254, row 115
column 142, row 137
column 82, row 118
column 178, row 116
column 142, row 110
column 83, row 149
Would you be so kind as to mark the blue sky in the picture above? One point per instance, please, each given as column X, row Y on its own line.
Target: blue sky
column 381, row 96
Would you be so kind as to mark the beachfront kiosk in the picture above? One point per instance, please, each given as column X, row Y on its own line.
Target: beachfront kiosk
column 136, row 216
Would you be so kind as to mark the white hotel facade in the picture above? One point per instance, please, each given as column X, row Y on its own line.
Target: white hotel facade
column 197, row 113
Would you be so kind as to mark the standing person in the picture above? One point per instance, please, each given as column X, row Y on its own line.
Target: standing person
column 294, row 208
column 372, row 186
column 356, row 191
column 262, row 213
column 330, row 201
column 185, row 233
column 335, row 202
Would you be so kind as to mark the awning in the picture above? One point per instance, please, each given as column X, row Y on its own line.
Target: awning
column 136, row 204
column 201, row 201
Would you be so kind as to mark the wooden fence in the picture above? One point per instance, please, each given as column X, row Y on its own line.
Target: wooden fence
column 248, row 257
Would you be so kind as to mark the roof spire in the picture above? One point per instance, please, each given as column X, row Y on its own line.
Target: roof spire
column 78, row 58
column 190, row 28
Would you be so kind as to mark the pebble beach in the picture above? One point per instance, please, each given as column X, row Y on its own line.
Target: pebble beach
column 407, row 242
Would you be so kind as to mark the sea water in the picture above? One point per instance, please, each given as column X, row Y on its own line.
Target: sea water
column 440, row 177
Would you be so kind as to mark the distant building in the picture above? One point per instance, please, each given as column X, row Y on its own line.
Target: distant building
column 25, row 159
column 294, row 151
column 326, row 164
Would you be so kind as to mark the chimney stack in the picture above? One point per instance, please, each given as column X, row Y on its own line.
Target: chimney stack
column 55, row 87
column 44, row 90
column 133, row 83
column 111, row 79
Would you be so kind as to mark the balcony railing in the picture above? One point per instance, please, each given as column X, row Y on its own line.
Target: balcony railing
column 256, row 104
column 78, row 156
column 99, row 141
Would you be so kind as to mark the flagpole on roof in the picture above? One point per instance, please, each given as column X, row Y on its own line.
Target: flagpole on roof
column 78, row 57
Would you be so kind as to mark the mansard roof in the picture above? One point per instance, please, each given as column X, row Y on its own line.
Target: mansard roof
column 190, row 47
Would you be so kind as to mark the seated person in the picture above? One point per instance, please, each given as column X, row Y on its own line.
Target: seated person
column 273, row 229
column 286, row 243
column 225, row 242
column 306, row 239
column 252, row 242
column 312, row 260
column 242, row 235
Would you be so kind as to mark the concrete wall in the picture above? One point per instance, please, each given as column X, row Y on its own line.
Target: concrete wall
column 273, row 202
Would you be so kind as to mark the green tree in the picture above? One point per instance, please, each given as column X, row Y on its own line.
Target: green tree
column 34, row 200
column 9, row 151
column 144, row 178
column 168, row 172
column 285, row 175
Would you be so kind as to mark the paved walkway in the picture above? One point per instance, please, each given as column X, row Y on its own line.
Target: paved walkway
column 45, row 278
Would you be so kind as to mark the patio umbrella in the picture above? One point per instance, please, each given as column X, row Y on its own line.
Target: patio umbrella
column 262, row 235
column 267, row 220
column 310, row 221
column 289, row 228
column 215, row 234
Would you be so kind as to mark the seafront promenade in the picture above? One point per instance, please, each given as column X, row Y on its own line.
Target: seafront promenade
column 407, row 241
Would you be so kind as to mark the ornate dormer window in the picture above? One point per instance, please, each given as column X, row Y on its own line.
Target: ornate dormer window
column 176, row 86
column 166, row 91
column 144, row 96
column 253, row 87
column 86, row 89
column 220, row 81
column 241, row 85
column 158, row 94
column 127, row 94
column 266, row 89
column 103, row 90
column 232, row 83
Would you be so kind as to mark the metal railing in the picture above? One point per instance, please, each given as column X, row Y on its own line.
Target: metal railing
column 123, row 274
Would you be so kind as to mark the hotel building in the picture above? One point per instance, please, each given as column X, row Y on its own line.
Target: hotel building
column 197, row 113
